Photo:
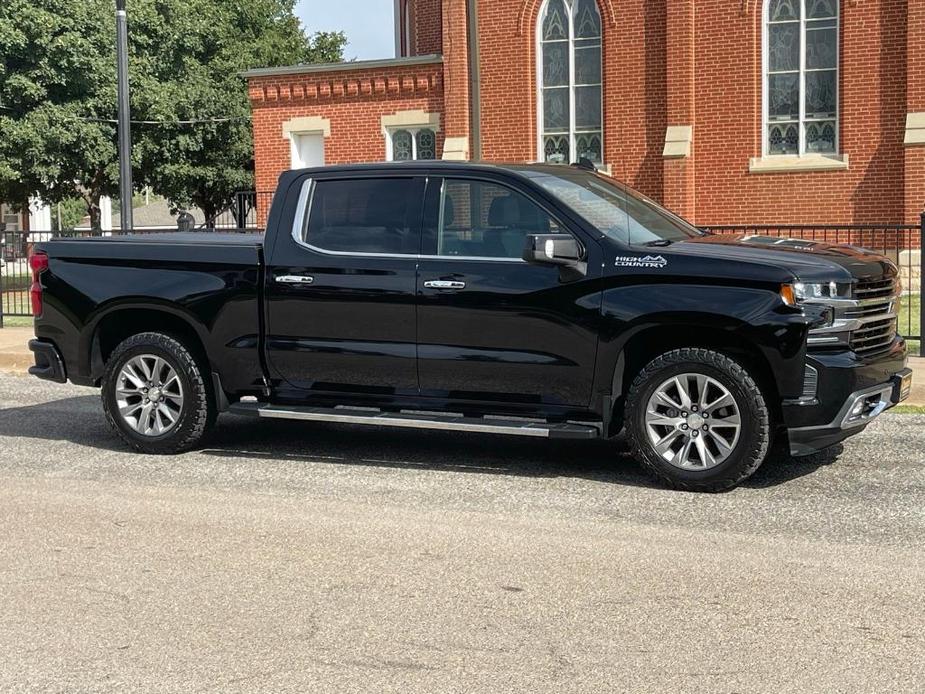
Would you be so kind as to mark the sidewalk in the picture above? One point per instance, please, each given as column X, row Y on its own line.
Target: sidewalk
column 15, row 357
column 918, row 382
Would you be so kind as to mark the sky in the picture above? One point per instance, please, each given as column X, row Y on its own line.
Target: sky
column 369, row 24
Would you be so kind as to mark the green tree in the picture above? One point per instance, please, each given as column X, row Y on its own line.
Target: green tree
column 58, row 95
column 57, row 73
column 67, row 214
column 204, row 164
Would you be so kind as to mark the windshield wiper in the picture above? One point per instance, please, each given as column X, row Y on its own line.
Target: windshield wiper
column 659, row 242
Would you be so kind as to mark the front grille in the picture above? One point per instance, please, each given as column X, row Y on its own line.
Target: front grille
column 878, row 329
column 875, row 289
column 874, row 337
column 869, row 310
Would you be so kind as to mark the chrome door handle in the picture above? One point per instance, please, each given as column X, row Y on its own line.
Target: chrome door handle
column 294, row 279
column 444, row 284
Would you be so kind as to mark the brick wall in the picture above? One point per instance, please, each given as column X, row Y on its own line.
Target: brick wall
column 915, row 103
column 353, row 101
column 456, row 67
column 679, row 185
column 428, row 27
column 634, row 85
column 708, row 75
column 728, row 127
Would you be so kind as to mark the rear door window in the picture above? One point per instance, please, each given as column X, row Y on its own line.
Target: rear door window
column 366, row 215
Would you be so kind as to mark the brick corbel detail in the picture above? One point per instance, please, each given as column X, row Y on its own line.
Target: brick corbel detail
column 323, row 88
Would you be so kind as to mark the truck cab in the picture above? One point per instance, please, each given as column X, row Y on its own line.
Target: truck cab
column 532, row 300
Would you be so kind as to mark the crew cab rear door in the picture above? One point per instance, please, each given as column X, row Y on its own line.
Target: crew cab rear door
column 340, row 291
column 492, row 327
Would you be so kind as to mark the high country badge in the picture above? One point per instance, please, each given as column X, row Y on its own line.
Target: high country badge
column 650, row 261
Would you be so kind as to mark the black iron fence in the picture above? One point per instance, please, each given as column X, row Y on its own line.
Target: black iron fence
column 248, row 212
column 903, row 244
column 16, row 247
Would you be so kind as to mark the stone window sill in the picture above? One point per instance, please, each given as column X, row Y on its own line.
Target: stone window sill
column 797, row 164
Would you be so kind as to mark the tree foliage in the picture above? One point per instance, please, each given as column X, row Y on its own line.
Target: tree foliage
column 58, row 95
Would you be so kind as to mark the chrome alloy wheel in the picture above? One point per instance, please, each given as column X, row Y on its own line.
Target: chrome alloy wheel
column 693, row 422
column 149, row 395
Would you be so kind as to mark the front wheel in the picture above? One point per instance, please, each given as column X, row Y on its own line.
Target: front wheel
column 697, row 420
column 154, row 395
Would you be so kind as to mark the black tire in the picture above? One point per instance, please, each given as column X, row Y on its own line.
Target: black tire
column 197, row 413
column 755, row 435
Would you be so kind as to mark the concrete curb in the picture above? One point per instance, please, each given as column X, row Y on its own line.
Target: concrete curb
column 16, row 358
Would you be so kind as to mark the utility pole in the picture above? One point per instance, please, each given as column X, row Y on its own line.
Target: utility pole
column 125, row 131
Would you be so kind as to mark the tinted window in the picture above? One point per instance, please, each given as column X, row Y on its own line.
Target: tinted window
column 616, row 211
column 486, row 220
column 364, row 216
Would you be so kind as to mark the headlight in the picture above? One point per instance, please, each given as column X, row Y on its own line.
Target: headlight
column 816, row 291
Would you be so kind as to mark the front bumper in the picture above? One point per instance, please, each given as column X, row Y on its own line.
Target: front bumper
column 48, row 362
column 859, row 409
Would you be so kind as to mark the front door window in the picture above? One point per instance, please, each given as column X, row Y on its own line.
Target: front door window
column 480, row 219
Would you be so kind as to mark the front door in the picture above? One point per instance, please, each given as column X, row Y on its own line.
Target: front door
column 340, row 288
column 492, row 327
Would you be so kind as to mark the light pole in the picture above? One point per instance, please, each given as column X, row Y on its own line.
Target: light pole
column 125, row 128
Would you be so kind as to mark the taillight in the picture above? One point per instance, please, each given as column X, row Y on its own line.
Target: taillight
column 39, row 263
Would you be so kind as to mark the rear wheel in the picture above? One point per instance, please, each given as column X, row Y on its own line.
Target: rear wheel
column 697, row 420
column 154, row 395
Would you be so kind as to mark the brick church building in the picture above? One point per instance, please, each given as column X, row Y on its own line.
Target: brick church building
column 727, row 111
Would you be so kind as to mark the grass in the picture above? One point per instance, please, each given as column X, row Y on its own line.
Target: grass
column 17, row 321
column 11, row 282
column 16, row 302
column 907, row 409
column 909, row 322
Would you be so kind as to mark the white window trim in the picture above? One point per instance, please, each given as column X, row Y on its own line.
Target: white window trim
column 305, row 125
column 414, row 130
column 413, row 122
column 805, row 161
column 540, row 124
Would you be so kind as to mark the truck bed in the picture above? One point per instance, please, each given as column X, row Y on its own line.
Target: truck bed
column 209, row 283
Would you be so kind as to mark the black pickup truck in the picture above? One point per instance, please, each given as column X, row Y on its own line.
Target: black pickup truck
column 531, row 300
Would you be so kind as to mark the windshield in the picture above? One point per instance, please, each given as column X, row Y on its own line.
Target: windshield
column 620, row 213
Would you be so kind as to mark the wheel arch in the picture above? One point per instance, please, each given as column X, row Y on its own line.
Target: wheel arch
column 648, row 343
column 123, row 321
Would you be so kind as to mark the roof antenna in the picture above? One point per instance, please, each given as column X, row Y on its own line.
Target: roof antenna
column 585, row 163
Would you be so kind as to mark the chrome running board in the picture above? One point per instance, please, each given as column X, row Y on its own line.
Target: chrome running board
column 511, row 427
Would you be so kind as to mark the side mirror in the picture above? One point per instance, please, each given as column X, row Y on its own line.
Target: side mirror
column 552, row 249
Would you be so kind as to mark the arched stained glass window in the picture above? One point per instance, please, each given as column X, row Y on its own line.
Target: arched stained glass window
column 409, row 144
column 801, row 81
column 570, row 81
column 426, row 141
column 402, row 146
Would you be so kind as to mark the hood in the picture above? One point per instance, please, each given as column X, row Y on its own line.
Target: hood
column 807, row 260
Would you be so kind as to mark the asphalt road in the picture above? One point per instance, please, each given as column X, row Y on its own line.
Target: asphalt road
column 320, row 558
